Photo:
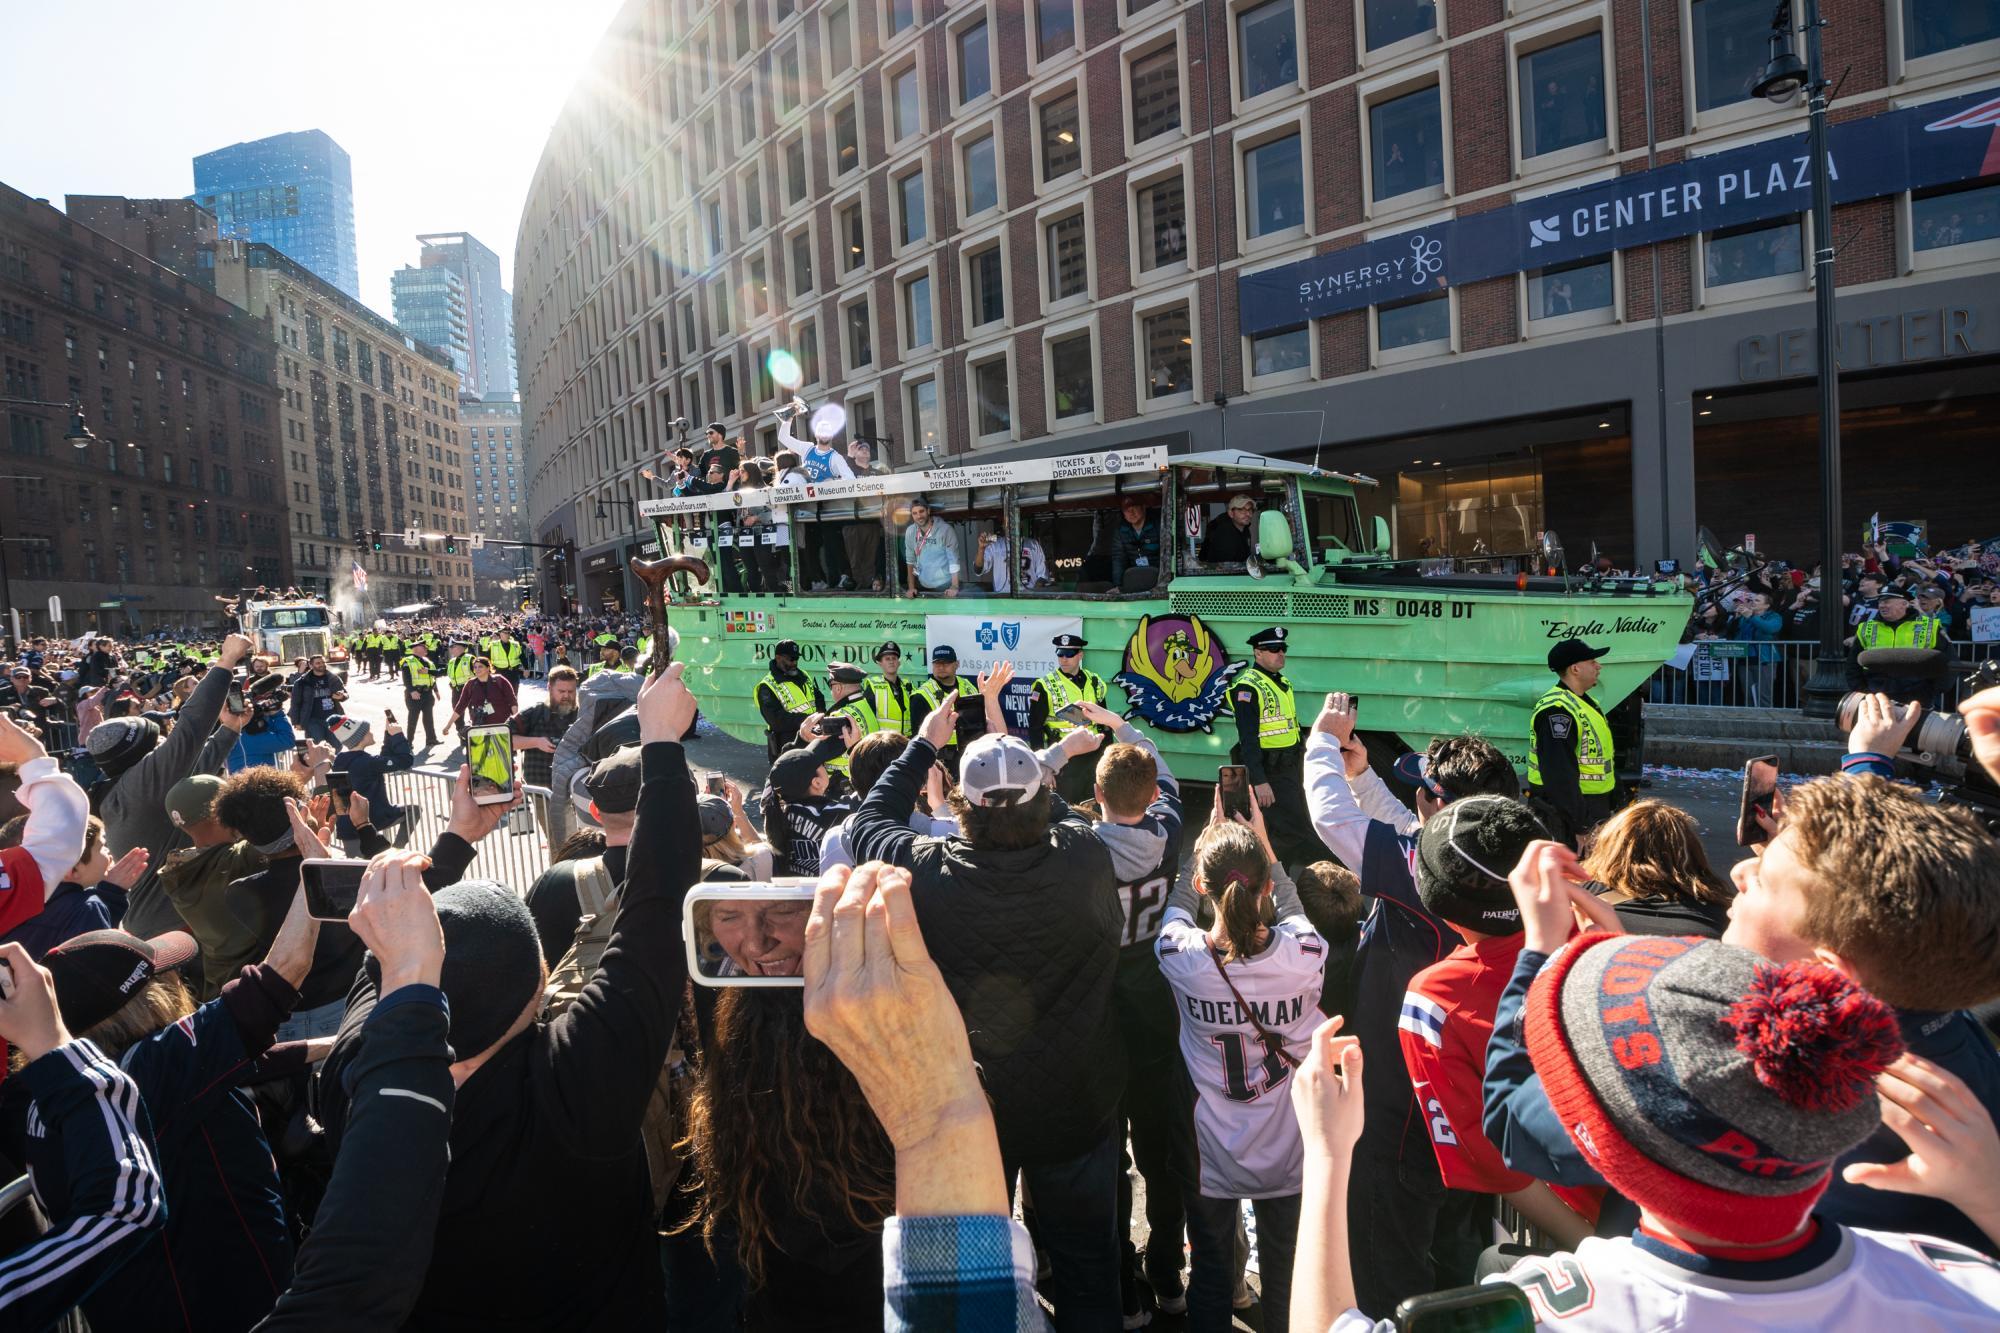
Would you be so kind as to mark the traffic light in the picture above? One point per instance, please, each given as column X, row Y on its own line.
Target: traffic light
column 450, row 544
column 374, row 541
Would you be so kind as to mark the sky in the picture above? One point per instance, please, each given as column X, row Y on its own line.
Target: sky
column 443, row 105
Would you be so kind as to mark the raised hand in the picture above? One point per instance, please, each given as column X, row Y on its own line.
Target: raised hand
column 128, row 869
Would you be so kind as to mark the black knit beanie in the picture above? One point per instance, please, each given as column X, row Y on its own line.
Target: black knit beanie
column 120, row 742
column 1465, row 853
column 492, row 961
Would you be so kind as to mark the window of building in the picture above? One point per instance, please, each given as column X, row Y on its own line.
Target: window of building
column 1950, row 215
column 905, row 104
column 1055, row 27
column 1569, row 289
column 739, row 14
column 795, row 170
column 1406, row 140
column 1072, row 376
column 1562, row 96
column 902, row 13
column 1267, row 48
column 860, row 336
column 763, row 386
column 861, row 425
column 1933, row 26
column 923, row 399
column 1274, row 186
column 839, row 39
column 1392, row 21
column 982, row 176
column 758, row 280
column 992, row 412
column 1062, row 142
column 854, row 237
column 986, row 286
column 910, row 221
column 1412, row 323
column 1732, row 43
column 802, row 263
column 1156, row 94
column 753, row 200
column 1168, row 337
column 846, row 138
column 807, row 338
column 1163, row 223
column 1752, row 251
column 1068, row 257
column 787, row 70
column 725, row 384
column 1281, row 350
column 917, row 312
column 975, row 64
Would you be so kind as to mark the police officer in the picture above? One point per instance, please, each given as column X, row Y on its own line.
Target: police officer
column 610, row 653
column 888, row 692
column 849, row 699
column 1896, row 625
column 505, row 655
column 1571, row 768
column 785, row 697
column 1268, row 744
column 943, row 688
column 420, row 692
column 1071, row 682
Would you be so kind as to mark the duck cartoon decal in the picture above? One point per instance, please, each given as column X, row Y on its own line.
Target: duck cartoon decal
column 1176, row 673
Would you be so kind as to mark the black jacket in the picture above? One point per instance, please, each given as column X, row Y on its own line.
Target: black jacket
column 1028, row 944
column 547, row 1220
column 364, row 1264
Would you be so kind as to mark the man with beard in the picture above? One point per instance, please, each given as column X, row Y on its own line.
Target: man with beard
column 537, row 729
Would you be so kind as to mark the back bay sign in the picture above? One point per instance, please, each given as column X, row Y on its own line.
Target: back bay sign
column 1935, row 144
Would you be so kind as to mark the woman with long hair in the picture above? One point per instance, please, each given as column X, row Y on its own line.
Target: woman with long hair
column 1248, row 990
column 729, row 838
column 795, row 1174
column 1647, row 861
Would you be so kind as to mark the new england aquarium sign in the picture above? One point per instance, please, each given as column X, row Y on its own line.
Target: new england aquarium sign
column 1956, row 139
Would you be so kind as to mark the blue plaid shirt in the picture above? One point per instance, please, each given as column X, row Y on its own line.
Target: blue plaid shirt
column 959, row 1275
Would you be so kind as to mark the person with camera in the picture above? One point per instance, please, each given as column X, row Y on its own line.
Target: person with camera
column 268, row 733
column 805, row 802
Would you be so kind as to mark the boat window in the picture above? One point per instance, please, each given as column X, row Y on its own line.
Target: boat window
column 1333, row 523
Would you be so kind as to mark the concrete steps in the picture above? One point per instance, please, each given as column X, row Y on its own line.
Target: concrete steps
column 1704, row 736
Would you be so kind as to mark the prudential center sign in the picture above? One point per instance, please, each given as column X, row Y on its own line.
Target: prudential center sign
column 1936, row 144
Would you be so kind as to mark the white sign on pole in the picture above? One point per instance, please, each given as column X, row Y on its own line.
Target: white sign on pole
column 412, row 538
column 981, row 641
column 478, row 541
column 55, row 612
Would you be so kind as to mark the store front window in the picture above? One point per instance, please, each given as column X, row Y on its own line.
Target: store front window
column 1469, row 509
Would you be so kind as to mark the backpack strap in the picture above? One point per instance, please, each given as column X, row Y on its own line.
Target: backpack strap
column 595, row 892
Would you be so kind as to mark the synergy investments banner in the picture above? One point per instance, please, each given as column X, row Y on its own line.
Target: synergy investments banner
column 1956, row 139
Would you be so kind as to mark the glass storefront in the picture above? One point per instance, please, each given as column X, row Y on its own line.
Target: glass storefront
column 1468, row 509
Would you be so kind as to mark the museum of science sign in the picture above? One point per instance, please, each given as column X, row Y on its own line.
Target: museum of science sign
column 1957, row 139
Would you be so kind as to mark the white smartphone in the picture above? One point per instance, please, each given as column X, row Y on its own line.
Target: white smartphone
column 489, row 752
column 748, row 934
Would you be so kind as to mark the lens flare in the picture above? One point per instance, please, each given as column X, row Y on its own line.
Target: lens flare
column 784, row 368
column 828, row 420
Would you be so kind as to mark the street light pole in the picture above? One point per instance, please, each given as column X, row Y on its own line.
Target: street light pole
column 1783, row 77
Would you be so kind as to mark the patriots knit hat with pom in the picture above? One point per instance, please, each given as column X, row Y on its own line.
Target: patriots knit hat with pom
column 1710, row 1086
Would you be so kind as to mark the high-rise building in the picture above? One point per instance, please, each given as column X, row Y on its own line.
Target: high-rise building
column 496, row 481
column 369, row 434
column 293, row 192
column 1529, row 270
column 429, row 304
column 476, row 314
column 177, row 499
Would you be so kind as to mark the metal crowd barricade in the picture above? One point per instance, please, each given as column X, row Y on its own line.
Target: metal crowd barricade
column 1725, row 673
column 515, row 854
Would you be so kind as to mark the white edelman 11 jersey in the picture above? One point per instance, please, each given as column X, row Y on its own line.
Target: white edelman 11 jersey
column 1846, row 1278
column 1243, row 1120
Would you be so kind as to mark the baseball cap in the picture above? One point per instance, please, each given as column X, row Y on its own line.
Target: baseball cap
column 716, row 818
column 1571, row 651
column 792, row 773
column 613, row 784
column 1415, row 769
column 96, row 972
column 785, row 648
column 192, row 799
column 944, row 652
column 999, row 770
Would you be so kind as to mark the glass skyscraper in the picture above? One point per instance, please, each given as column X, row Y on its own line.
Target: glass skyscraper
column 294, row 192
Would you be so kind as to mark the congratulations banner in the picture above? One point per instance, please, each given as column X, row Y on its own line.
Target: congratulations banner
column 1957, row 139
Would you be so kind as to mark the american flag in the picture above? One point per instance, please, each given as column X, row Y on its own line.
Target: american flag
column 360, row 576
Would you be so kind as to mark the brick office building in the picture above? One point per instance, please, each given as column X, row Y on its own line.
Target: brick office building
column 179, row 499
column 1011, row 229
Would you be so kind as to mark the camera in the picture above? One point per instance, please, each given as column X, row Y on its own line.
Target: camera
column 1940, row 746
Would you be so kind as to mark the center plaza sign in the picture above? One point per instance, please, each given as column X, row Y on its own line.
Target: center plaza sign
column 1938, row 143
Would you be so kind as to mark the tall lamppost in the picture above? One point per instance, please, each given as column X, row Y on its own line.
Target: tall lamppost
column 1783, row 77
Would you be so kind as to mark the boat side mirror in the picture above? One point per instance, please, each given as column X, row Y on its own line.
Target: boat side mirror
column 1274, row 536
column 1381, row 546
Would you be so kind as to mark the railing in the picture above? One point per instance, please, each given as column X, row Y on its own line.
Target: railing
column 515, row 854
column 1772, row 674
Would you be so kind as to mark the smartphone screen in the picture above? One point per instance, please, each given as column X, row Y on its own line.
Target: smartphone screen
column 971, row 718
column 748, row 934
column 1495, row 1307
column 1234, row 782
column 234, row 701
column 1760, row 785
column 1073, row 714
column 489, row 752
column 331, row 886
column 714, row 785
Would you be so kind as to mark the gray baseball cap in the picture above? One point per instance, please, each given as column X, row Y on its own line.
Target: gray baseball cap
column 999, row 770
